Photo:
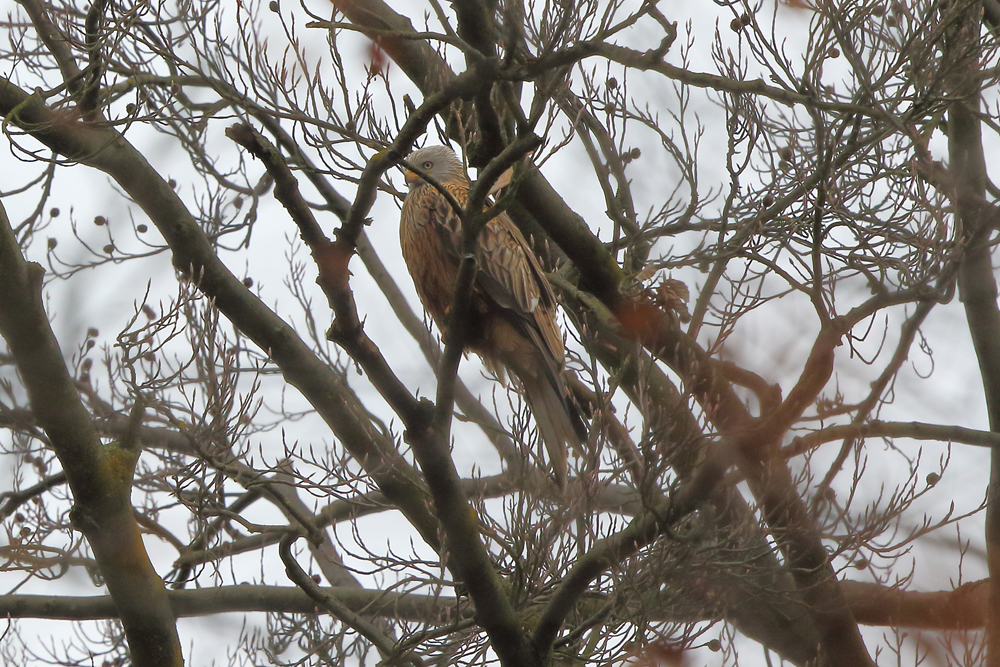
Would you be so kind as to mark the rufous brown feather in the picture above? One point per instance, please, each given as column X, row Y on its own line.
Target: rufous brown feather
column 513, row 326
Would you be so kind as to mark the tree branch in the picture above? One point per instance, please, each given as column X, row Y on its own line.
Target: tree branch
column 100, row 476
column 194, row 257
column 338, row 609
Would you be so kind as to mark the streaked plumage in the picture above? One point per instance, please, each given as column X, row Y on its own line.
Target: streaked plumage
column 513, row 324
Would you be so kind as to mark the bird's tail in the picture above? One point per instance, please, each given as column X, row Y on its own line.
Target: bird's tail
column 558, row 418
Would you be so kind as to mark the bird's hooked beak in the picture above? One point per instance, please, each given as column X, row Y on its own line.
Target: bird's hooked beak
column 411, row 179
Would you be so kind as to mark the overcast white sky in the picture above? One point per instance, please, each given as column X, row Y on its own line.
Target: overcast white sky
column 770, row 346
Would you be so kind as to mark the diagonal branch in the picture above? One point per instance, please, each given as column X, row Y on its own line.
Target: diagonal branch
column 194, row 256
column 57, row 44
column 430, row 445
column 641, row 531
column 338, row 609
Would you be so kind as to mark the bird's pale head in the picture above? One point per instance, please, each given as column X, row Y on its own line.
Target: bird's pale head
column 438, row 162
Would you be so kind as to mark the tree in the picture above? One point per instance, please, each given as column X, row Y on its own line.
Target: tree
column 772, row 241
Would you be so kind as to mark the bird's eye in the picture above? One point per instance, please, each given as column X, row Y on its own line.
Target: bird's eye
column 426, row 166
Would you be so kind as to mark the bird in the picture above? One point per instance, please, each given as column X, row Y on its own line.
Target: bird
column 512, row 324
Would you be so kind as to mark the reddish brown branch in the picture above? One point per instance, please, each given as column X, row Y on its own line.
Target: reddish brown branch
column 961, row 609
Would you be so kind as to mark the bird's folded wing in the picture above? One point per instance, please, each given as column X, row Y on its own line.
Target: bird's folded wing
column 510, row 273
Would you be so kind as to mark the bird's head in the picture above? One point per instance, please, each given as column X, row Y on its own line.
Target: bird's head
column 438, row 162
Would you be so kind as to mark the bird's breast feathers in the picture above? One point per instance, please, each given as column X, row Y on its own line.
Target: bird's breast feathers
column 510, row 276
